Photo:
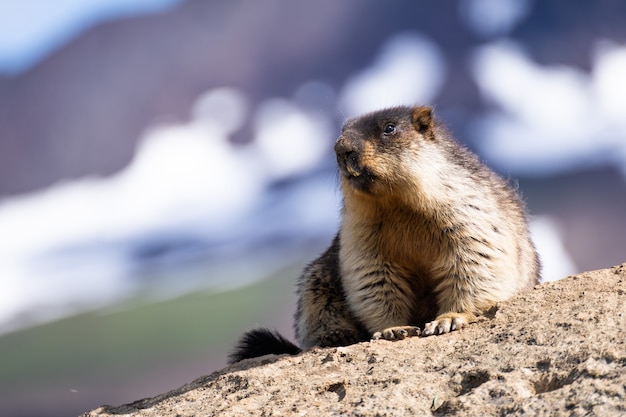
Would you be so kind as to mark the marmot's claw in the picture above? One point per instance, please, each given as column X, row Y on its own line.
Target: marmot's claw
column 397, row 333
column 445, row 324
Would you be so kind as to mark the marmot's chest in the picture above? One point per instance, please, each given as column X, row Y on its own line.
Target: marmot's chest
column 392, row 267
column 412, row 242
column 397, row 249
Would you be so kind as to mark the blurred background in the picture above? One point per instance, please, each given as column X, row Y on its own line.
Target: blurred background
column 166, row 166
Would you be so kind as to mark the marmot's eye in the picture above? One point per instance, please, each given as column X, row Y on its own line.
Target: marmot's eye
column 389, row 129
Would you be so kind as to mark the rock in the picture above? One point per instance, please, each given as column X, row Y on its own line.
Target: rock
column 559, row 349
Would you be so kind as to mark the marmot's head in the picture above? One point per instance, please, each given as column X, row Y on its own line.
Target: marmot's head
column 376, row 153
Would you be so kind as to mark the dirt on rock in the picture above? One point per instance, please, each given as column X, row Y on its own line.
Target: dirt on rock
column 558, row 350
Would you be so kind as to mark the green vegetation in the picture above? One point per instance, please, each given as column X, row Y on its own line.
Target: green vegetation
column 130, row 338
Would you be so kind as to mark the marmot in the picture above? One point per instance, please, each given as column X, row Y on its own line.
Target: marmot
column 430, row 238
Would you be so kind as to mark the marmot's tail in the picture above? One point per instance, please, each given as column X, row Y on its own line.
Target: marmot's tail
column 259, row 342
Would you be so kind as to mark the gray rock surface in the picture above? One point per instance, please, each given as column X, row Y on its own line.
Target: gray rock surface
column 558, row 350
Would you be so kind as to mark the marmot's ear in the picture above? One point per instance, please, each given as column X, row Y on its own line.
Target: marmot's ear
column 423, row 120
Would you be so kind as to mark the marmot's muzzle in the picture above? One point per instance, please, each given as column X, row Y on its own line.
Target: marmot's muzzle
column 347, row 158
column 348, row 164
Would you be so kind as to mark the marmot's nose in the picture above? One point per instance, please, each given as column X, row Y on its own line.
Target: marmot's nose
column 343, row 147
column 347, row 158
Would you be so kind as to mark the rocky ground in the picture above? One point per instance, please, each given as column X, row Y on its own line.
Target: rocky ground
column 557, row 350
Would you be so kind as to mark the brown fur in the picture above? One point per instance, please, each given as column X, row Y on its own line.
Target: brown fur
column 429, row 236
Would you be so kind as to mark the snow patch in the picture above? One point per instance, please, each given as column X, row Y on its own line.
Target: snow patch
column 556, row 263
column 409, row 69
column 550, row 119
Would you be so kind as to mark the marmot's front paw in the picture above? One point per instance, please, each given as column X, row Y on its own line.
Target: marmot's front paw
column 339, row 337
column 446, row 323
column 397, row 333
